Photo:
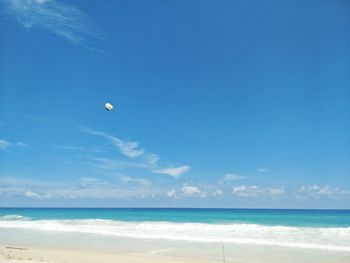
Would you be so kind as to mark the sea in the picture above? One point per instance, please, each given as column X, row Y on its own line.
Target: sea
column 213, row 235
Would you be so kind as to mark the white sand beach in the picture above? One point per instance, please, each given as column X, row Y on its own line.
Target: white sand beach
column 10, row 254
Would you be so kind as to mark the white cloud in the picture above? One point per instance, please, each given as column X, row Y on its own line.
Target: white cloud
column 68, row 147
column 140, row 181
column 171, row 193
column 231, row 177
column 111, row 164
column 18, row 182
column 316, row 191
column 175, row 172
column 276, row 191
column 255, row 191
column 97, row 193
column 246, row 191
column 192, row 191
column 91, row 182
column 129, row 149
column 152, row 158
column 87, row 188
column 78, row 148
column 4, row 144
column 31, row 194
column 217, row 192
column 262, row 170
column 56, row 17
column 132, row 150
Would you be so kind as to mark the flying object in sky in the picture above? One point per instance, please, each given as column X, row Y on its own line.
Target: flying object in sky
column 108, row 106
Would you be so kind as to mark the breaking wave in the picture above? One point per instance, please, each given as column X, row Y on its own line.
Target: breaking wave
column 335, row 239
column 13, row 217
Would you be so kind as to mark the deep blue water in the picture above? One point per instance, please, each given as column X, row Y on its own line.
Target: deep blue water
column 287, row 217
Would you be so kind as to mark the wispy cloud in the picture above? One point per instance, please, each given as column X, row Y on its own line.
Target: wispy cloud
column 31, row 194
column 130, row 149
column 316, row 191
column 140, row 181
column 77, row 148
column 262, row 170
column 256, row 191
column 152, row 158
column 231, row 177
column 139, row 157
column 15, row 187
column 175, row 172
column 63, row 20
column 88, row 182
column 117, row 165
column 86, row 188
column 8, row 181
column 4, row 144
column 90, row 193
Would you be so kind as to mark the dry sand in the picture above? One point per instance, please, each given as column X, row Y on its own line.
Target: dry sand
column 10, row 254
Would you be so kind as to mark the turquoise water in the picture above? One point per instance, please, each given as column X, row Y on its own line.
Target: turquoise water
column 271, row 217
column 249, row 235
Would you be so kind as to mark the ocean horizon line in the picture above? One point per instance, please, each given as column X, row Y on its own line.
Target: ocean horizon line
column 184, row 208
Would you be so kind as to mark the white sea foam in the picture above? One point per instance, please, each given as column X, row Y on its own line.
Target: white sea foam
column 13, row 217
column 335, row 239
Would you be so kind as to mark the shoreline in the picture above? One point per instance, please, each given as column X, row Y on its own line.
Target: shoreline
column 29, row 254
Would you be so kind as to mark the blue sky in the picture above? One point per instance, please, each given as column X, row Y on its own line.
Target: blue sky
column 217, row 104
